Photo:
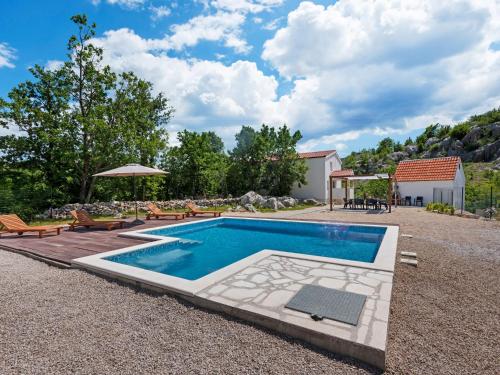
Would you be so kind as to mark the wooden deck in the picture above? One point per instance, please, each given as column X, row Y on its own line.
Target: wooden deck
column 70, row 245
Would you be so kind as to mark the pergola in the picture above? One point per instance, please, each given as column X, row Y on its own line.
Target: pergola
column 378, row 176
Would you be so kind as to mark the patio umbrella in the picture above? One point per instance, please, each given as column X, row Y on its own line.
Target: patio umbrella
column 133, row 170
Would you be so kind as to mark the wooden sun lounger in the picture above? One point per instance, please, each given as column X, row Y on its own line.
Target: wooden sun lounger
column 13, row 224
column 193, row 210
column 154, row 211
column 83, row 219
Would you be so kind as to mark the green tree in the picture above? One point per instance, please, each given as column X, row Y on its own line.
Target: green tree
column 198, row 166
column 248, row 159
column 79, row 120
column 266, row 161
column 39, row 108
column 283, row 167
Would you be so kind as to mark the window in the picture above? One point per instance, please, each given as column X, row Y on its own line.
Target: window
column 331, row 166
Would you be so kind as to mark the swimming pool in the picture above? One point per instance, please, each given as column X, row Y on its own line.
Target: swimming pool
column 205, row 247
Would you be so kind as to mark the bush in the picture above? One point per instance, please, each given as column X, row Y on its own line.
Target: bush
column 441, row 208
column 459, row 131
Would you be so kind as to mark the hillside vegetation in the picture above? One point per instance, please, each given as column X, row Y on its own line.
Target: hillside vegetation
column 476, row 141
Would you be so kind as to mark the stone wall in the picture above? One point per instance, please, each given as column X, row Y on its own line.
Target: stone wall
column 248, row 202
column 118, row 208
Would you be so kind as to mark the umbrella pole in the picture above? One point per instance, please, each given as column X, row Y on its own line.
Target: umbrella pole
column 135, row 197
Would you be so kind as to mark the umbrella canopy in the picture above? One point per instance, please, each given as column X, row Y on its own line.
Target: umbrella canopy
column 131, row 170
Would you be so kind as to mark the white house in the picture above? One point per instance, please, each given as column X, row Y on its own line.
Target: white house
column 436, row 180
column 319, row 166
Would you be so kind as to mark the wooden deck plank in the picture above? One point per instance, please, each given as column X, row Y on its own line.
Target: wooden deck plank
column 70, row 245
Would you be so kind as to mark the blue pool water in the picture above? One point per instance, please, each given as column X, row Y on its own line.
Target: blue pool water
column 208, row 246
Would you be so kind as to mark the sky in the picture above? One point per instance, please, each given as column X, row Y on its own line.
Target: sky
column 345, row 73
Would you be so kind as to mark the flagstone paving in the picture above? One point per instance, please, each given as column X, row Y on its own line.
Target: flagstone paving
column 266, row 286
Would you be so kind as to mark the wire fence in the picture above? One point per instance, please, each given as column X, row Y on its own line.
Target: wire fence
column 484, row 200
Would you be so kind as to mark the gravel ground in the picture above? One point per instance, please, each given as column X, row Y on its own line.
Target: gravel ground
column 444, row 316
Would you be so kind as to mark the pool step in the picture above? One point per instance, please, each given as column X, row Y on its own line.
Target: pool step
column 411, row 262
column 189, row 242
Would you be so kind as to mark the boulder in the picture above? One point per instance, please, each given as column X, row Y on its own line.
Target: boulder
column 491, row 151
column 250, row 208
column 472, row 136
column 495, row 129
column 431, row 141
column 398, row 155
column 411, row 149
column 280, row 205
column 251, row 198
column 287, row 201
column 271, row 203
column 312, row 202
column 445, row 144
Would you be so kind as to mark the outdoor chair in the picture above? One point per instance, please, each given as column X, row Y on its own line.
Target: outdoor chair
column 371, row 203
column 358, row 202
column 83, row 219
column 408, row 200
column 194, row 210
column 13, row 224
column 346, row 202
column 154, row 211
column 419, row 200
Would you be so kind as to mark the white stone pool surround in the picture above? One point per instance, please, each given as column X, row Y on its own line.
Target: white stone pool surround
column 258, row 287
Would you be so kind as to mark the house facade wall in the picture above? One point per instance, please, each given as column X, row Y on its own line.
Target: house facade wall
column 425, row 189
column 317, row 178
column 314, row 176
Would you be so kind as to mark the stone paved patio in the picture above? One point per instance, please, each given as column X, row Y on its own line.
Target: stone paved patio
column 265, row 287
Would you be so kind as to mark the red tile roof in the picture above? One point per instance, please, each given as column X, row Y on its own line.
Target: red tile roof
column 342, row 173
column 315, row 154
column 439, row 169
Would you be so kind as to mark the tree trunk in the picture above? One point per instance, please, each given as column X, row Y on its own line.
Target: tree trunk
column 91, row 190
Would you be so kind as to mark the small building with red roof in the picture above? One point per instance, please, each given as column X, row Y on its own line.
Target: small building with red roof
column 433, row 180
column 320, row 164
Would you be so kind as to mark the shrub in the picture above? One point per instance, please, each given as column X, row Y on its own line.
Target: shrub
column 429, row 207
column 459, row 131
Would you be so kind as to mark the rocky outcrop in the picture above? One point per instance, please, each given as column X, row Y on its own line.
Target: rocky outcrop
column 473, row 136
column 398, row 156
column 431, row 141
column 411, row 149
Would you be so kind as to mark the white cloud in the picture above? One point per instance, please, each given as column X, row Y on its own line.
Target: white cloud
column 206, row 94
column 7, row 55
column 159, row 12
column 386, row 67
column 223, row 26
column 355, row 69
column 246, row 6
column 124, row 3
column 272, row 25
column 54, row 64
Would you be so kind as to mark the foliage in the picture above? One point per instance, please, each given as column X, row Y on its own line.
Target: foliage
column 266, row 161
column 76, row 121
column 459, row 131
column 483, row 186
column 441, row 208
column 197, row 167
